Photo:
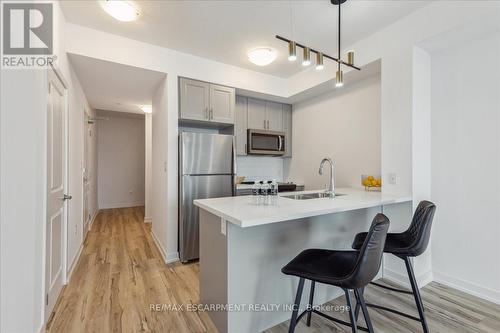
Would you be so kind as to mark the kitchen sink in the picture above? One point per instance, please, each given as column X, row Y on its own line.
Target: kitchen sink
column 307, row 196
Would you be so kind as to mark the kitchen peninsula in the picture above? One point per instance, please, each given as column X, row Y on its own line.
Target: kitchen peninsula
column 243, row 247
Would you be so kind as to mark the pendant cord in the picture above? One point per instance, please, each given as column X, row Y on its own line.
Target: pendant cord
column 339, row 39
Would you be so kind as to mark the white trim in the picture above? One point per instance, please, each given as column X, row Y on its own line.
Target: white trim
column 158, row 245
column 73, row 264
column 120, row 205
column 148, row 220
column 468, row 287
column 422, row 279
column 172, row 257
column 96, row 212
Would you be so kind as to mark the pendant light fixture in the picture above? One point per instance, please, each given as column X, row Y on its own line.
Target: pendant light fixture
column 306, row 61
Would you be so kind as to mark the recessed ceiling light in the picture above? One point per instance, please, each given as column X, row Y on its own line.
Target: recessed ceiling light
column 121, row 10
column 147, row 108
column 262, row 56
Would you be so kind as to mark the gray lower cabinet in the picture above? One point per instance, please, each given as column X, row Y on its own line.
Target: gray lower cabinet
column 241, row 125
column 287, row 128
column 207, row 102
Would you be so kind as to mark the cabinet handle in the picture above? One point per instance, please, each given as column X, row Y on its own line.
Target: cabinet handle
column 268, row 124
column 206, row 113
column 211, row 114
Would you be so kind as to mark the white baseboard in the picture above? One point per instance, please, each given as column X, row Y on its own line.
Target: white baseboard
column 159, row 246
column 120, row 205
column 148, row 219
column 422, row 279
column 172, row 257
column 468, row 287
column 73, row 264
column 93, row 218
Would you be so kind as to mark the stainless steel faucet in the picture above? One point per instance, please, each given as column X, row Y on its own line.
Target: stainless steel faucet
column 331, row 188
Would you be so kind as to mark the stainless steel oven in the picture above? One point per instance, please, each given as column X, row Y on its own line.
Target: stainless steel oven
column 266, row 142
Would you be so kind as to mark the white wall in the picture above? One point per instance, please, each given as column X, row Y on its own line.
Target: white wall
column 344, row 125
column 260, row 168
column 121, row 160
column 159, row 167
column 466, row 164
column 148, row 185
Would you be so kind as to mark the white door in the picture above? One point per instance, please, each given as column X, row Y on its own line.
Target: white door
column 56, row 185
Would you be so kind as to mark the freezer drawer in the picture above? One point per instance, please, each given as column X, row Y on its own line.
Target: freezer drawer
column 192, row 188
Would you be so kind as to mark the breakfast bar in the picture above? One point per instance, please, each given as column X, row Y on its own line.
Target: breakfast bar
column 243, row 247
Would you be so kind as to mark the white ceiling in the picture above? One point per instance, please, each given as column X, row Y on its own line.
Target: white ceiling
column 225, row 30
column 115, row 87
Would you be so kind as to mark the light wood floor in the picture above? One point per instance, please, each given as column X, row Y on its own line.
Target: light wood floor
column 120, row 274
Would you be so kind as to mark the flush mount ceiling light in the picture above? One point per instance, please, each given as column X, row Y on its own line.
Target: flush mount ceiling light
column 121, row 10
column 147, row 108
column 262, row 56
column 292, row 50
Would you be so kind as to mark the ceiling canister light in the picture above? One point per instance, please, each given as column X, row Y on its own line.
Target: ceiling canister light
column 306, row 61
column 319, row 61
column 292, row 51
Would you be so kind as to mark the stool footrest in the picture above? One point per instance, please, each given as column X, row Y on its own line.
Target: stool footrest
column 339, row 321
column 370, row 305
column 392, row 289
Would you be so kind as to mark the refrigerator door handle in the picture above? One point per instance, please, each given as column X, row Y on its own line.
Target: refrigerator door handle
column 234, row 173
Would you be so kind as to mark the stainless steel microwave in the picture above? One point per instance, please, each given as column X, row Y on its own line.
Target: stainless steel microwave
column 266, row 142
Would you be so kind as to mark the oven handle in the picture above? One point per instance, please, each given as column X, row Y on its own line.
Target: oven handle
column 280, row 142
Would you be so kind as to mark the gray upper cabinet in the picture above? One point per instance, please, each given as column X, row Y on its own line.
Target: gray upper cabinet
column 202, row 101
column 194, row 99
column 222, row 100
column 241, row 125
column 287, row 128
column 257, row 114
column 274, row 115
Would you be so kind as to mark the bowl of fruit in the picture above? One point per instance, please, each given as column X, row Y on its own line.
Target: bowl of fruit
column 371, row 182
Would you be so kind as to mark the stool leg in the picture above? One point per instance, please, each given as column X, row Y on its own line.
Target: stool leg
column 293, row 321
column 361, row 300
column 416, row 294
column 311, row 299
column 356, row 310
column 354, row 325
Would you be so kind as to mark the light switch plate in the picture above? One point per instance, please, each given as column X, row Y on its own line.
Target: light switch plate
column 393, row 179
column 223, row 225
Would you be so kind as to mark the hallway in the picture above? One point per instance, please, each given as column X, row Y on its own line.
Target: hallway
column 119, row 275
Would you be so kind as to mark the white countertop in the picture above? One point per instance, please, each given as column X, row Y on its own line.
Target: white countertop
column 242, row 212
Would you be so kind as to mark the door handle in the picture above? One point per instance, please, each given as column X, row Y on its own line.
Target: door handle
column 66, row 197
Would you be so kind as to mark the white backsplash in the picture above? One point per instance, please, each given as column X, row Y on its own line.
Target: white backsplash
column 260, row 167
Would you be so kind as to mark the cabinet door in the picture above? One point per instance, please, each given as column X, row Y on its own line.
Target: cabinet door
column 274, row 117
column 222, row 100
column 194, row 99
column 287, row 128
column 240, row 125
column 256, row 114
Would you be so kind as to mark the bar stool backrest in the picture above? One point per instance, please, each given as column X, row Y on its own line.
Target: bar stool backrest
column 419, row 231
column 370, row 254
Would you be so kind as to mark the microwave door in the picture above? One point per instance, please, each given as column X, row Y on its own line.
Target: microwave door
column 266, row 143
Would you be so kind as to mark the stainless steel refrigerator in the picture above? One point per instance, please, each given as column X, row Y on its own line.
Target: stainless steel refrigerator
column 206, row 170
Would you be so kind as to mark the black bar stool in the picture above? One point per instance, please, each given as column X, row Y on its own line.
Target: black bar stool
column 349, row 270
column 406, row 245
